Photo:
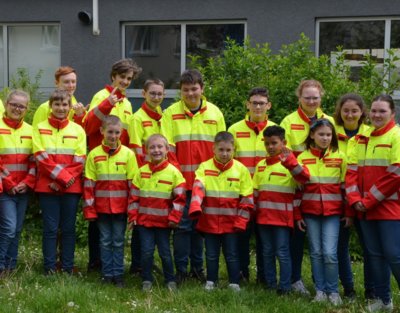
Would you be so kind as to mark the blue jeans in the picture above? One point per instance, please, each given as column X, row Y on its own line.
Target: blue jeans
column 296, row 247
column 112, row 240
column 229, row 249
column 94, row 242
column 275, row 243
column 323, row 234
column 345, row 272
column 187, row 242
column 12, row 215
column 59, row 210
column 382, row 241
column 149, row 238
column 136, row 249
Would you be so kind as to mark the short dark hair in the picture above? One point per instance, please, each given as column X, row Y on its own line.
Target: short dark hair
column 153, row 81
column 60, row 94
column 124, row 66
column 224, row 137
column 261, row 91
column 191, row 77
column 313, row 128
column 337, row 116
column 274, row 130
column 385, row 98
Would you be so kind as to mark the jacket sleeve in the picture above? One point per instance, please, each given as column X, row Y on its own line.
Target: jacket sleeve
column 89, row 187
column 79, row 119
column 99, row 108
column 300, row 173
column 198, row 193
column 167, row 131
column 30, row 179
column 353, row 193
column 347, row 209
column 246, row 203
column 132, row 169
column 179, row 198
column 136, row 133
column 40, row 115
column 4, row 173
column 255, row 211
column 134, row 197
column 297, row 205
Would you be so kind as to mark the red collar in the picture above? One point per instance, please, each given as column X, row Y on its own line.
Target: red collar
column 11, row 123
column 273, row 160
column 107, row 149
column 154, row 168
column 154, row 115
column 319, row 153
column 223, row 167
column 384, row 129
column 117, row 92
column 305, row 118
column 257, row 128
column 56, row 123
column 203, row 106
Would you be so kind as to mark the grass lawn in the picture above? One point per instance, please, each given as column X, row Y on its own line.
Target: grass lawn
column 27, row 290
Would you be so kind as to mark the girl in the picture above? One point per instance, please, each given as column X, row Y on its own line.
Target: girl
column 373, row 189
column 60, row 152
column 322, row 169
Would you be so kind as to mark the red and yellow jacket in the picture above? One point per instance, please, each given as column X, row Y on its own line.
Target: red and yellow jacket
column 60, row 152
column 322, row 176
column 347, row 145
column 144, row 123
column 222, row 197
column 373, row 174
column 191, row 137
column 3, row 174
column 158, row 195
column 249, row 142
column 16, row 153
column 100, row 107
column 274, row 192
column 108, row 177
column 297, row 127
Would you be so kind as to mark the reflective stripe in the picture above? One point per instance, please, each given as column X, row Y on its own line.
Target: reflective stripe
column 198, row 137
column 152, row 211
column 377, row 162
column 200, row 185
column 352, row 188
column 129, row 183
column 275, row 205
column 32, row 171
column 276, row 188
column 392, row 197
column 255, row 193
column 79, row 159
column 31, row 158
column 135, row 192
column 98, row 113
column 252, row 170
column 377, row 194
column 16, row 150
column 361, row 163
column 146, row 157
column 16, row 167
column 57, row 169
column 125, row 126
column 60, row 151
column 352, row 167
column 296, row 202
column 220, row 211
column 343, row 186
column 111, row 193
column 298, row 147
column 133, row 206
column 297, row 170
column 250, row 154
column 222, row 194
column 179, row 191
column 393, row 169
column 196, row 198
column 244, row 213
column 5, row 173
column 325, row 180
column 172, row 148
column 138, row 150
column 247, row 201
column 111, row 177
column 42, row 156
column 324, row 196
column 89, row 184
column 88, row 202
column 155, row 194
column 189, row 168
column 178, row 207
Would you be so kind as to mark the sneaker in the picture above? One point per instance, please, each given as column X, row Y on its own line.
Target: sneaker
column 282, row 292
column 299, row 287
column 180, row 277
column 320, row 296
column 349, row 293
column 134, row 270
column 146, row 285
column 106, row 280
column 234, row 287
column 369, row 294
column 172, row 287
column 378, row 305
column 96, row 266
column 209, row 285
column 119, row 281
column 334, row 298
column 198, row 275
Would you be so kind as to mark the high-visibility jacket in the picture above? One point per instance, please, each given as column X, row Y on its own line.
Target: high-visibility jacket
column 60, row 152
column 100, row 107
column 347, row 145
column 373, row 174
column 143, row 124
column 16, row 153
column 191, row 137
column 108, row 176
column 274, row 191
column 249, row 142
column 43, row 112
column 322, row 176
column 297, row 126
column 222, row 197
column 158, row 195
column 3, row 174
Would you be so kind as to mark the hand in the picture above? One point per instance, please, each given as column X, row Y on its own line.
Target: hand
column 172, row 224
column 13, row 191
column 54, row 186
column 131, row 224
column 301, row 224
column 80, row 109
column 22, row 188
column 112, row 98
column 91, row 219
column 358, row 206
column 285, row 153
column 70, row 183
column 349, row 221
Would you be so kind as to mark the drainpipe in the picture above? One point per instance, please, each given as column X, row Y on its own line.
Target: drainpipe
column 96, row 30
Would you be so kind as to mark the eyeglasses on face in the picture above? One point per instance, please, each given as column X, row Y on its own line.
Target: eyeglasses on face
column 154, row 94
column 15, row 106
column 258, row 103
column 308, row 99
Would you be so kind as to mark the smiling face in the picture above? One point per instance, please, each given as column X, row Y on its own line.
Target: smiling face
column 191, row 95
column 380, row 113
column 60, row 108
column 16, row 107
column 154, row 95
column 111, row 135
column 67, row 82
column 258, row 106
column 122, row 81
column 223, row 151
column 273, row 145
column 322, row 137
column 351, row 114
column 310, row 100
column 157, row 150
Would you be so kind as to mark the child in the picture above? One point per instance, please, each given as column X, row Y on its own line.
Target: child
column 222, row 201
column 274, row 190
column 109, row 170
column 322, row 169
column 157, row 201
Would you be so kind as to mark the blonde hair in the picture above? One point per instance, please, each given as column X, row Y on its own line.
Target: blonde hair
column 156, row 137
column 310, row 83
column 111, row 120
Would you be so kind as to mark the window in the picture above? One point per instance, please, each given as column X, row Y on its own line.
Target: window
column 34, row 47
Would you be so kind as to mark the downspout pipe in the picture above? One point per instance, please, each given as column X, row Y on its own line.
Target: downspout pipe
column 96, row 30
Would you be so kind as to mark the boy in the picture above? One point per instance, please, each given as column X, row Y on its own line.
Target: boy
column 250, row 150
column 157, row 201
column 222, row 201
column 109, row 170
column 274, row 190
column 190, row 126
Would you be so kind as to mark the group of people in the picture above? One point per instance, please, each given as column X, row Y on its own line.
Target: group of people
column 180, row 172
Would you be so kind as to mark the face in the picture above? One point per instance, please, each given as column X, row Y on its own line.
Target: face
column 273, row 145
column 223, row 151
column 111, row 135
column 16, row 107
column 350, row 113
column 191, row 94
column 122, row 81
column 258, row 106
column 322, row 137
column 67, row 82
column 154, row 96
column 157, row 150
column 310, row 100
column 60, row 108
column 380, row 113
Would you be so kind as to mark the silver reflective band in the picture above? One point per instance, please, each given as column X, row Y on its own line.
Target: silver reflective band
column 32, row 171
column 352, row 188
column 276, row 188
column 89, row 184
column 16, row 150
column 324, row 197
column 222, row 194
column 324, row 180
column 42, row 156
column 172, row 148
column 111, row 177
column 298, row 147
column 79, row 159
column 377, row 194
column 247, row 201
column 16, row 167
column 255, row 193
column 179, row 191
column 392, row 197
column 60, row 151
column 125, row 126
column 296, row 202
column 297, row 170
column 129, row 183
column 220, row 211
column 250, row 154
column 88, row 202
column 138, row 150
column 135, row 192
column 244, row 213
column 178, row 207
column 57, row 169
column 133, row 206
column 152, row 211
column 394, row 169
column 98, row 113
column 275, row 206
column 377, row 162
column 197, row 137
column 155, row 194
column 352, row 167
column 5, row 173
column 197, row 198
column 200, row 185
column 111, row 193
column 252, row 170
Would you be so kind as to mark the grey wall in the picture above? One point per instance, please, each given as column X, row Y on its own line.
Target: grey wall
column 278, row 22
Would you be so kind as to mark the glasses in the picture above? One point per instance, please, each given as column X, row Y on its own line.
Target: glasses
column 15, row 106
column 154, row 94
column 308, row 99
column 255, row 104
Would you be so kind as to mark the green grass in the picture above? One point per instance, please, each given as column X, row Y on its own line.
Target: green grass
column 27, row 290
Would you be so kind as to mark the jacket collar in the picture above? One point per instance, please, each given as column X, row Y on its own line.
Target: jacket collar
column 305, row 118
column 11, row 123
column 107, row 149
column 341, row 133
column 56, row 123
column 203, row 107
column 118, row 93
column 319, row 153
column 383, row 130
column 154, row 115
column 257, row 128
column 223, row 167
column 273, row 160
column 154, row 168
